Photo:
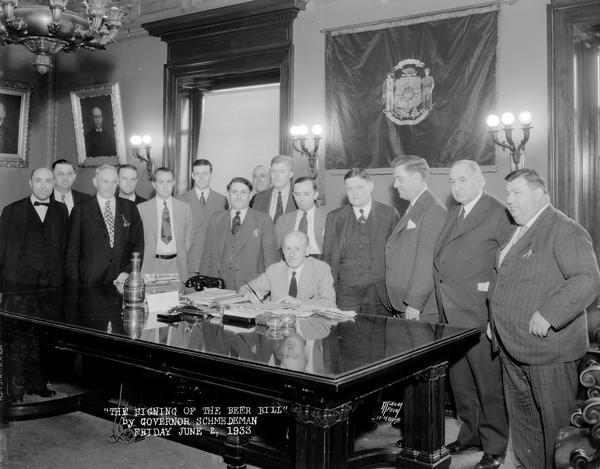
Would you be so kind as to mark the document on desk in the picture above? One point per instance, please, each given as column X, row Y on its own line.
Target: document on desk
column 211, row 296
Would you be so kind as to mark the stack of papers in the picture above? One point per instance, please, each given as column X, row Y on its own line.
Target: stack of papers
column 214, row 297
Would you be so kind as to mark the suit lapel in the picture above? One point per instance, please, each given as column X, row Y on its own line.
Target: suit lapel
column 341, row 227
column 247, row 229
column 153, row 217
column 376, row 222
column 224, row 225
column 535, row 231
column 119, row 221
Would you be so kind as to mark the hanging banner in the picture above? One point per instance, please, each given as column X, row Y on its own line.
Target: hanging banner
column 417, row 86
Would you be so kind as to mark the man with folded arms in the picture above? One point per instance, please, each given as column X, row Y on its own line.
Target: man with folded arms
column 167, row 229
column 104, row 231
column 240, row 242
column 464, row 259
column 309, row 218
column 297, row 280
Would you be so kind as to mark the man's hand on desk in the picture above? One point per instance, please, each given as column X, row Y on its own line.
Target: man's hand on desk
column 412, row 313
column 289, row 301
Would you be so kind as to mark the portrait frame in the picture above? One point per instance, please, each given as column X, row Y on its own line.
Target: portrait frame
column 16, row 100
column 108, row 99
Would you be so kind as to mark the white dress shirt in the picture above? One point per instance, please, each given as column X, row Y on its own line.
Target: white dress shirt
column 285, row 193
column 199, row 193
column 41, row 210
column 242, row 216
column 313, row 247
column 468, row 207
column 69, row 202
column 366, row 210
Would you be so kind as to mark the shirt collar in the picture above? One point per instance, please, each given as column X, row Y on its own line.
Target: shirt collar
column 298, row 269
column 102, row 201
column 414, row 201
column 366, row 209
column 128, row 197
column 58, row 195
column 469, row 206
column 199, row 192
column 33, row 199
column 532, row 220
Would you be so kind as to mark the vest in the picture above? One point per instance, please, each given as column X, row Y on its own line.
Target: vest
column 231, row 250
column 356, row 260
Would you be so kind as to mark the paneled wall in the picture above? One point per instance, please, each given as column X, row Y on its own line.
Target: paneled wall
column 136, row 62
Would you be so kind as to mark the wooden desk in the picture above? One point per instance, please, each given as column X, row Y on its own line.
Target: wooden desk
column 343, row 363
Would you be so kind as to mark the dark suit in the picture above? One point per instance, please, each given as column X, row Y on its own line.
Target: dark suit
column 17, row 267
column 382, row 222
column 77, row 196
column 100, row 143
column 200, row 215
column 551, row 269
column 243, row 257
column 463, row 267
column 89, row 258
column 409, row 255
column 262, row 201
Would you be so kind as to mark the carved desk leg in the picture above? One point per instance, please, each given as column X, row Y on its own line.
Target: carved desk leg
column 321, row 436
column 424, row 431
column 234, row 455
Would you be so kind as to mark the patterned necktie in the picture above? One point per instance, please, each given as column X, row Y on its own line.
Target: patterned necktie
column 165, row 228
column 362, row 219
column 236, row 223
column 62, row 198
column 303, row 225
column 279, row 207
column 109, row 220
column 462, row 214
column 202, row 199
column 293, row 291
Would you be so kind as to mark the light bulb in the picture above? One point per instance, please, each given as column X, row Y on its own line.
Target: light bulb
column 492, row 121
column 147, row 140
column 136, row 140
column 317, row 130
column 302, row 130
column 508, row 118
column 525, row 117
column 294, row 131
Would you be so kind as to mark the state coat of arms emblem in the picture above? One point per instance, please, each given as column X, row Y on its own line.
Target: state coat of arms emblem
column 407, row 92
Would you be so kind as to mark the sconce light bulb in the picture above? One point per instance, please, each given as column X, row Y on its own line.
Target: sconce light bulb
column 317, row 130
column 294, row 131
column 302, row 130
column 508, row 118
column 136, row 140
column 493, row 121
column 146, row 139
column 525, row 117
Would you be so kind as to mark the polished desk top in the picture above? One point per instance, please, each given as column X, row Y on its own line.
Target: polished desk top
column 317, row 350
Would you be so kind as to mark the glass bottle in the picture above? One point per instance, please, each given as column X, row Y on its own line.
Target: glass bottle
column 134, row 290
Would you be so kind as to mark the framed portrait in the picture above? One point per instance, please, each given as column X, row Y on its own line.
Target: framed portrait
column 98, row 125
column 15, row 103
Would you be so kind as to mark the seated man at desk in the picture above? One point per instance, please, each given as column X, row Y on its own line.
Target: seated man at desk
column 296, row 280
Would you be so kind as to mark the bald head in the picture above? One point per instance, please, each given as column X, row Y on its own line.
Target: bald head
column 41, row 183
column 295, row 249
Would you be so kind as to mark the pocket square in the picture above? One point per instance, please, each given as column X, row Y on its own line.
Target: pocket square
column 255, row 233
column 410, row 225
column 528, row 254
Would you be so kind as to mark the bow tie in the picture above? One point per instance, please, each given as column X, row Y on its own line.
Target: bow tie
column 45, row 204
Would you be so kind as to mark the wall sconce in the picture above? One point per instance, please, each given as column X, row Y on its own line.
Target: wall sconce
column 299, row 135
column 493, row 122
column 136, row 146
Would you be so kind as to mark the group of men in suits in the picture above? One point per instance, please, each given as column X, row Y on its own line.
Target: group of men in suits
column 522, row 276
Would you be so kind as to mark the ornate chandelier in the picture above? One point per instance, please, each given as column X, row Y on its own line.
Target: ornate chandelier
column 46, row 28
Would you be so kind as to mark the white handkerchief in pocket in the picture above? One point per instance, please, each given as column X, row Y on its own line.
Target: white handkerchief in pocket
column 483, row 286
column 410, row 225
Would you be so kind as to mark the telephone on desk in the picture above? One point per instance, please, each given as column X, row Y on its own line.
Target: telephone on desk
column 200, row 282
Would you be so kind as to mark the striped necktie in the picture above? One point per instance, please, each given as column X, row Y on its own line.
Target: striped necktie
column 109, row 220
